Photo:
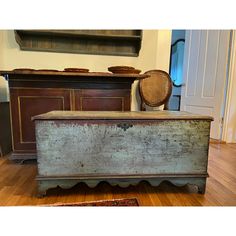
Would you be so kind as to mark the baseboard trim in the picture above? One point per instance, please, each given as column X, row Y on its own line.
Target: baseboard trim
column 217, row 141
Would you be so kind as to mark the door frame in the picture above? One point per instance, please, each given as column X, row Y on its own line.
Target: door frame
column 228, row 126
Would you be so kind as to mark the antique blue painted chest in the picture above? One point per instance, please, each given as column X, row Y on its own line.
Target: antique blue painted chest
column 121, row 148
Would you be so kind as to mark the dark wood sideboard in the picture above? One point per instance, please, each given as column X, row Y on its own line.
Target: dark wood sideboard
column 5, row 129
column 37, row 92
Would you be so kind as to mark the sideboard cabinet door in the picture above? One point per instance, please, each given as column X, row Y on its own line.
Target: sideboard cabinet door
column 26, row 103
column 102, row 100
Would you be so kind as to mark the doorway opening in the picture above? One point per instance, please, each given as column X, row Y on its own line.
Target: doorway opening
column 176, row 68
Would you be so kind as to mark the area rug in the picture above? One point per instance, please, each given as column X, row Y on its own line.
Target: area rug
column 114, row 202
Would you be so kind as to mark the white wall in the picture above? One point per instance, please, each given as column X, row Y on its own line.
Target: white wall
column 154, row 54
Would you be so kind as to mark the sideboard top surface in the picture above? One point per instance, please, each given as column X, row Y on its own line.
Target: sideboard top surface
column 77, row 74
column 112, row 115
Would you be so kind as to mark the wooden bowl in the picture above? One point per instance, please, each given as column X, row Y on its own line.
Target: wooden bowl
column 47, row 70
column 80, row 70
column 123, row 70
column 120, row 68
column 24, row 69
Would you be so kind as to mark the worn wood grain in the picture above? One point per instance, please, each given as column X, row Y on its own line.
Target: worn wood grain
column 69, row 148
column 74, row 150
column 116, row 115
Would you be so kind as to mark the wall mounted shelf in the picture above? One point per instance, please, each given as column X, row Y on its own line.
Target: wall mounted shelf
column 97, row 42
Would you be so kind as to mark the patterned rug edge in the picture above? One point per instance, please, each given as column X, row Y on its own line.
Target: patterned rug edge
column 110, row 202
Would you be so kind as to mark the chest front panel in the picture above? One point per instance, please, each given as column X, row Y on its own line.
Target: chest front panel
column 119, row 147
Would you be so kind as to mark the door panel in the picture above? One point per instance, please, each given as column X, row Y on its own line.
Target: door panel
column 32, row 105
column 204, row 74
column 102, row 100
column 27, row 103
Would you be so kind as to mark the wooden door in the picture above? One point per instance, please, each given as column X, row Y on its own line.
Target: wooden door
column 204, row 74
column 26, row 103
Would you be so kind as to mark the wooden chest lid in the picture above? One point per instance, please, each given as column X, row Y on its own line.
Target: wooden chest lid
column 116, row 115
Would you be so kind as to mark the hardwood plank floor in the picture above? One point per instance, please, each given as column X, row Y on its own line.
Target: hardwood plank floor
column 18, row 187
